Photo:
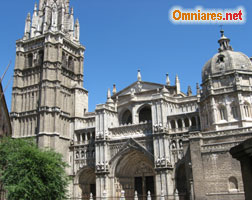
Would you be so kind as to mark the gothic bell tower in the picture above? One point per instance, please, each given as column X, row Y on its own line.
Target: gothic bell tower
column 48, row 95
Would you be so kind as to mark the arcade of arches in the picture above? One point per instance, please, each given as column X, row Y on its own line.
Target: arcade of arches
column 144, row 115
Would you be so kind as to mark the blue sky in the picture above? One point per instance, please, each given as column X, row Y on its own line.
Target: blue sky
column 122, row 36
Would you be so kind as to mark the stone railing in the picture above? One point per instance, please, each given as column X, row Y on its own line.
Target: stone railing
column 141, row 129
column 183, row 129
column 227, row 132
column 84, row 162
column 84, row 155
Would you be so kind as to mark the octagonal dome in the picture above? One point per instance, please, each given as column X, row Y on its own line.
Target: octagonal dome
column 226, row 60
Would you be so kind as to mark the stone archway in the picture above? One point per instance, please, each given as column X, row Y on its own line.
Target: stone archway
column 134, row 172
column 87, row 183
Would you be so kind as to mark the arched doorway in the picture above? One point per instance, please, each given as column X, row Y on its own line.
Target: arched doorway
column 135, row 172
column 87, row 183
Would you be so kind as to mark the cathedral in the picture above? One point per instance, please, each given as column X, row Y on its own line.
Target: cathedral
column 149, row 139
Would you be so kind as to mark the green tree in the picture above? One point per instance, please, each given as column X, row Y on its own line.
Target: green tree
column 29, row 173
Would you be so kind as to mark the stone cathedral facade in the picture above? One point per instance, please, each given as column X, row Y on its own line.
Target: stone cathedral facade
column 148, row 137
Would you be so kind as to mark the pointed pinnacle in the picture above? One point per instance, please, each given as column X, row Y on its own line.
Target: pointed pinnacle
column 139, row 77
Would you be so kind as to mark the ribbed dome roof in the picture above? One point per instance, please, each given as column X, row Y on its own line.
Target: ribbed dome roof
column 226, row 60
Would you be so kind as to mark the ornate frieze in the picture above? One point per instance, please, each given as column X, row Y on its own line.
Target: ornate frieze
column 131, row 130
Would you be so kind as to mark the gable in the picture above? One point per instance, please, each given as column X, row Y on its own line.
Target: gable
column 130, row 145
column 139, row 86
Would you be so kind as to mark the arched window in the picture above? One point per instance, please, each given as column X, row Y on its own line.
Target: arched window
column 186, row 122
column 180, row 144
column 174, row 144
column 82, row 154
column 207, row 119
column 222, row 112
column 193, row 120
column 41, row 57
column 233, row 184
column 126, row 117
column 145, row 114
column 234, row 110
column 30, row 60
column 64, row 60
column 180, row 125
column 173, row 125
column 78, row 137
column 198, row 118
column 70, row 63
column 247, row 110
column 77, row 154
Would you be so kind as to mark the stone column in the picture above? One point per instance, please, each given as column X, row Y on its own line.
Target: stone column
column 102, row 184
column 164, row 182
column 197, row 166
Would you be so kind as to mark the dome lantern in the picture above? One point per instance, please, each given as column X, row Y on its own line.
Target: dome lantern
column 224, row 42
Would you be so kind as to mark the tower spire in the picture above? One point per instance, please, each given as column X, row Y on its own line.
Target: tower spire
column 71, row 23
column 27, row 26
column 77, row 30
column 224, row 42
column 54, row 20
column 167, row 79
column 109, row 100
column 35, row 8
column 177, row 83
column 55, row 16
column 35, row 22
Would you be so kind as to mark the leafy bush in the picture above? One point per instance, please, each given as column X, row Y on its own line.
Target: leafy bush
column 29, row 173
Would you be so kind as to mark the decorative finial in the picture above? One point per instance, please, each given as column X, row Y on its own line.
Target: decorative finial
column 109, row 100
column 222, row 31
column 167, row 79
column 77, row 30
column 139, row 77
column 77, row 22
column 177, row 83
column 91, row 196
column 136, row 196
column 28, row 16
column 35, row 7
column 27, row 26
column 108, row 94
column 164, row 90
column 198, row 88
column 114, row 89
column 149, row 195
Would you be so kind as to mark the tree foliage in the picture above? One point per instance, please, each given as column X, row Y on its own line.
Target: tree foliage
column 29, row 173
